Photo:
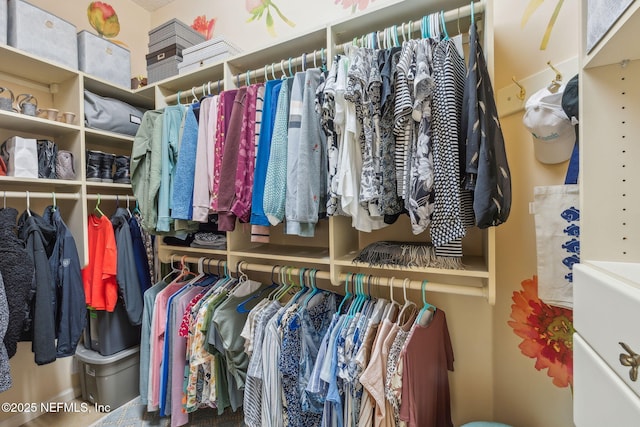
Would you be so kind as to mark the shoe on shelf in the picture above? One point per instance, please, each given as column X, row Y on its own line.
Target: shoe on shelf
column 106, row 167
column 94, row 163
column 122, row 175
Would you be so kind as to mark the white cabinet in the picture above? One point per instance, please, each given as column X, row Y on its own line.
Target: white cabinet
column 606, row 286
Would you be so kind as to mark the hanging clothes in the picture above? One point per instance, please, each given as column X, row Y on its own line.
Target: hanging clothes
column 182, row 196
column 139, row 240
column 425, row 392
column 145, row 339
column 487, row 169
column 126, row 274
column 146, row 166
column 204, row 160
column 225, row 108
column 5, row 370
column 274, row 190
column 99, row 275
column 71, row 315
column 39, row 238
column 259, row 221
column 17, row 270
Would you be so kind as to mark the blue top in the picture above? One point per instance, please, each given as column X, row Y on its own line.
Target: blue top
column 182, row 197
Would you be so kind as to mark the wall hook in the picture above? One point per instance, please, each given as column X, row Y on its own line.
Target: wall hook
column 523, row 92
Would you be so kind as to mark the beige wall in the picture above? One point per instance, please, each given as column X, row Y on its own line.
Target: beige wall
column 525, row 397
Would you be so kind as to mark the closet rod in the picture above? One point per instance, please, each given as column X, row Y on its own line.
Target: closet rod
column 383, row 281
column 120, row 197
column 282, row 67
column 414, row 26
column 38, row 195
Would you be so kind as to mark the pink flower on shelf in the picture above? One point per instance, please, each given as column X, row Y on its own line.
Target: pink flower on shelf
column 204, row 27
column 258, row 8
column 353, row 4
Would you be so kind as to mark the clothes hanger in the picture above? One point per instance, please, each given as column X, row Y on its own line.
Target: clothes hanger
column 128, row 210
column 347, row 294
column 266, row 77
column 194, row 99
column 173, row 270
column 421, row 319
column 28, row 205
column 290, row 72
column 314, row 288
column 5, row 200
column 178, row 97
column 96, row 210
column 315, row 63
column 284, row 75
column 473, row 13
column 408, row 304
column 248, row 78
column 273, row 74
column 443, row 25
column 54, row 206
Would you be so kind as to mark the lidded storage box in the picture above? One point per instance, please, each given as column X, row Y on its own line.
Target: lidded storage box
column 104, row 59
column 166, row 43
column 41, row 33
column 3, row 22
column 110, row 381
column 205, row 53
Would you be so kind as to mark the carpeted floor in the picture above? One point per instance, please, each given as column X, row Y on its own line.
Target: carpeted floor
column 134, row 414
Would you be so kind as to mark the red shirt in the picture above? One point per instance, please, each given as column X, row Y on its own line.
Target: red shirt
column 99, row 276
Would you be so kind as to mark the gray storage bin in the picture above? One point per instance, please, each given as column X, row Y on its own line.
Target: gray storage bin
column 173, row 32
column 3, row 21
column 41, row 33
column 163, row 69
column 109, row 381
column 101, row 58
column 110, row 333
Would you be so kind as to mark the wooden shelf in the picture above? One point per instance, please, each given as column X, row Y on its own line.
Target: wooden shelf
column 143, row 99
column 101, row 137
column 617, row 44
column 473, row 267
column 300, row 254
column 108, row 185
column 34, row 125
column 29, row 67
column 38, row 184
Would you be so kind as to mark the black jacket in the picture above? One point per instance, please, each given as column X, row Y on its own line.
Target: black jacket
column 71, row 313
column 39, row 238
column 17, row 272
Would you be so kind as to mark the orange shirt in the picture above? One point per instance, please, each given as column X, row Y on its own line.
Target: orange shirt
column 99, row 276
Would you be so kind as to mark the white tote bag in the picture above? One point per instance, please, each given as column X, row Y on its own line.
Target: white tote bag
column 556, row 210
column 21, row 157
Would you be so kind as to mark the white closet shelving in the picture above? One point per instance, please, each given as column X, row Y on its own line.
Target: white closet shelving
column 607, row 288
column 335, row 243
column 56, row 86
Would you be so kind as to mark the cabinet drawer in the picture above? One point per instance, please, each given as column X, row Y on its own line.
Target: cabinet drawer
column 607, row 311
column 600, row 398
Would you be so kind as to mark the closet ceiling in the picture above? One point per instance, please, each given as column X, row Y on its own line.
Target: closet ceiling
column 152, row 5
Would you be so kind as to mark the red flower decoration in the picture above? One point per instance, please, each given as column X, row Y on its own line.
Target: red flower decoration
column 204, row 27
column 546, row 332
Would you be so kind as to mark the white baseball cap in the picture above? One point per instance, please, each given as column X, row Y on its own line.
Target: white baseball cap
column 553, row 132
